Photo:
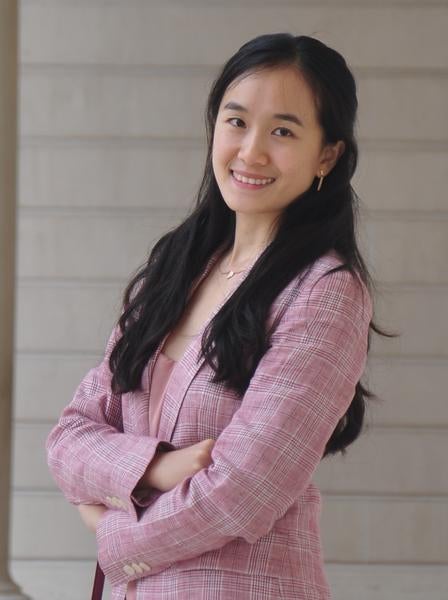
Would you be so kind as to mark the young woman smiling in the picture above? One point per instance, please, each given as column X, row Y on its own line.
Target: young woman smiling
column 235, row 366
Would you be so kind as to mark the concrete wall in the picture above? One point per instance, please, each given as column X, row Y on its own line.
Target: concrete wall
column 111, row 151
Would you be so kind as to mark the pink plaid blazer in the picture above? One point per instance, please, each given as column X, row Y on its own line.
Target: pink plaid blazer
column 247, row 526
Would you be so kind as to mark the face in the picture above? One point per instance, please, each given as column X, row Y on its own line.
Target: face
column 267, row 129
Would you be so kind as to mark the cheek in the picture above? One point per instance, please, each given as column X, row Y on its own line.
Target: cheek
column 298, row 168
column 216, row 154
column 294, row 172
column 223, row 152
column 219, row 162
column 218, row 145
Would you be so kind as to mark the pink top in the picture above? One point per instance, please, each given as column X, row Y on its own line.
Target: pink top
column 160, row 376
column 159, row 381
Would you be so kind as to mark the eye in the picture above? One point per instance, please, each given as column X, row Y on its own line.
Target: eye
column 289, row 133
column 234, row 119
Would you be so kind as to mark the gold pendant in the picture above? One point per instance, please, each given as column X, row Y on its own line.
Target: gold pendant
column 230, row 274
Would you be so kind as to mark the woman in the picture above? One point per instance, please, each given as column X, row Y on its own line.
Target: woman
column 235, row 365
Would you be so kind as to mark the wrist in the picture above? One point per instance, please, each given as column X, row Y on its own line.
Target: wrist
column 149, row 478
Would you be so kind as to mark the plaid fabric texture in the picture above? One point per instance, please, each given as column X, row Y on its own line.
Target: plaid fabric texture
column 247, row 526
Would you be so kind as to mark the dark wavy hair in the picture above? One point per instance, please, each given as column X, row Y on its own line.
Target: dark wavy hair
column 310, row 226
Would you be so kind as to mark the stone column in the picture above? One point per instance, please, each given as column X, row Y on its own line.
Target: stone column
column 8, row 150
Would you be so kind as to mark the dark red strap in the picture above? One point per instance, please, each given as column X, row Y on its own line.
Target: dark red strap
column 98, row 584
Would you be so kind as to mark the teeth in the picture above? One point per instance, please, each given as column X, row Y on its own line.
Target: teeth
column 252, row 181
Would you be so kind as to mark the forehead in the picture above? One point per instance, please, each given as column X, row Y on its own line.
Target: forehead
column 280, row 89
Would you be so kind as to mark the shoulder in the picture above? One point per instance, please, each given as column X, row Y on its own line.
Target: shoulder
column 323, row 289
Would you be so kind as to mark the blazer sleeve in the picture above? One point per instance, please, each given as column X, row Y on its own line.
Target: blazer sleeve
column 265, row 458
column 90, row 458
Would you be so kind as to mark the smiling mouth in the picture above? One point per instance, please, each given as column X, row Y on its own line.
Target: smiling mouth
column 249, row 182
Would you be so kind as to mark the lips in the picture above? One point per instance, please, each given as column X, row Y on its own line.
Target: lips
column 251, row 175
column 249, row 187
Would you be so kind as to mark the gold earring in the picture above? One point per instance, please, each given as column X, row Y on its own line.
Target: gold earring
column 321, row 178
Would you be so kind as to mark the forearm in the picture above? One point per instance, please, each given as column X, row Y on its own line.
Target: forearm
column 112, row 464
column 170, row 466
column 91, row 514
column 153, row 476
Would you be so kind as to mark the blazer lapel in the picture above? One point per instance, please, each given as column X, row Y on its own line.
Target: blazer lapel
column 138, row 400
column 185, row 370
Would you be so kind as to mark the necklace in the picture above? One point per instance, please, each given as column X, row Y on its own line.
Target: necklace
column 231, row 273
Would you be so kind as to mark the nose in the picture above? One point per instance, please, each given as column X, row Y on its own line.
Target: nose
column 252, row 150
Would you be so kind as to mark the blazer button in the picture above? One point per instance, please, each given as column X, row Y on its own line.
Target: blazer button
column 128, row 570
column 144, row 566
column 137, row 568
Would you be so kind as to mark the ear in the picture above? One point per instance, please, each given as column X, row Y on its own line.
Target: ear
column 330, row 156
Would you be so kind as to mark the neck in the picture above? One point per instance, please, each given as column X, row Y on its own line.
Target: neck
column 238, row 257
column 251, row 236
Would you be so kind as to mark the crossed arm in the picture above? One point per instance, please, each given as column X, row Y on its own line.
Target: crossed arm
column 265, row 458
column 164, row 472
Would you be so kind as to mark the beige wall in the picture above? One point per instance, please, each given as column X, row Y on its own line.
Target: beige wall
column 111, row 151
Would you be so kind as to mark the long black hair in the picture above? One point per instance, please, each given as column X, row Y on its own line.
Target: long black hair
column 310, row 226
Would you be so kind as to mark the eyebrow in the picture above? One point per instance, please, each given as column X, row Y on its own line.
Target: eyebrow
column 282, row 116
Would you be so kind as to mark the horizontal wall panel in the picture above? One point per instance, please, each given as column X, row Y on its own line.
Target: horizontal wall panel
column 32, row 400
column 137, row 173
column 416, row 314
column 389, row 461
column 94, row 246
column 385, row 529
column 96, row 102
column 56, row 579
column 119, row 173
column 381, row 461
column 388, row 582
column 422, row 103
column 162, row 32
column 57, row 529
column 72, row 580
column 30, row 468
column 86, row 102
column 103, row 245
column 77, row 317
column 393, row 251
column 392, row 180
column 411, row 393
column 352, row 529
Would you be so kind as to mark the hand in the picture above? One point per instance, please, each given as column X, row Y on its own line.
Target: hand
column 91, row 514
column 167, row 469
